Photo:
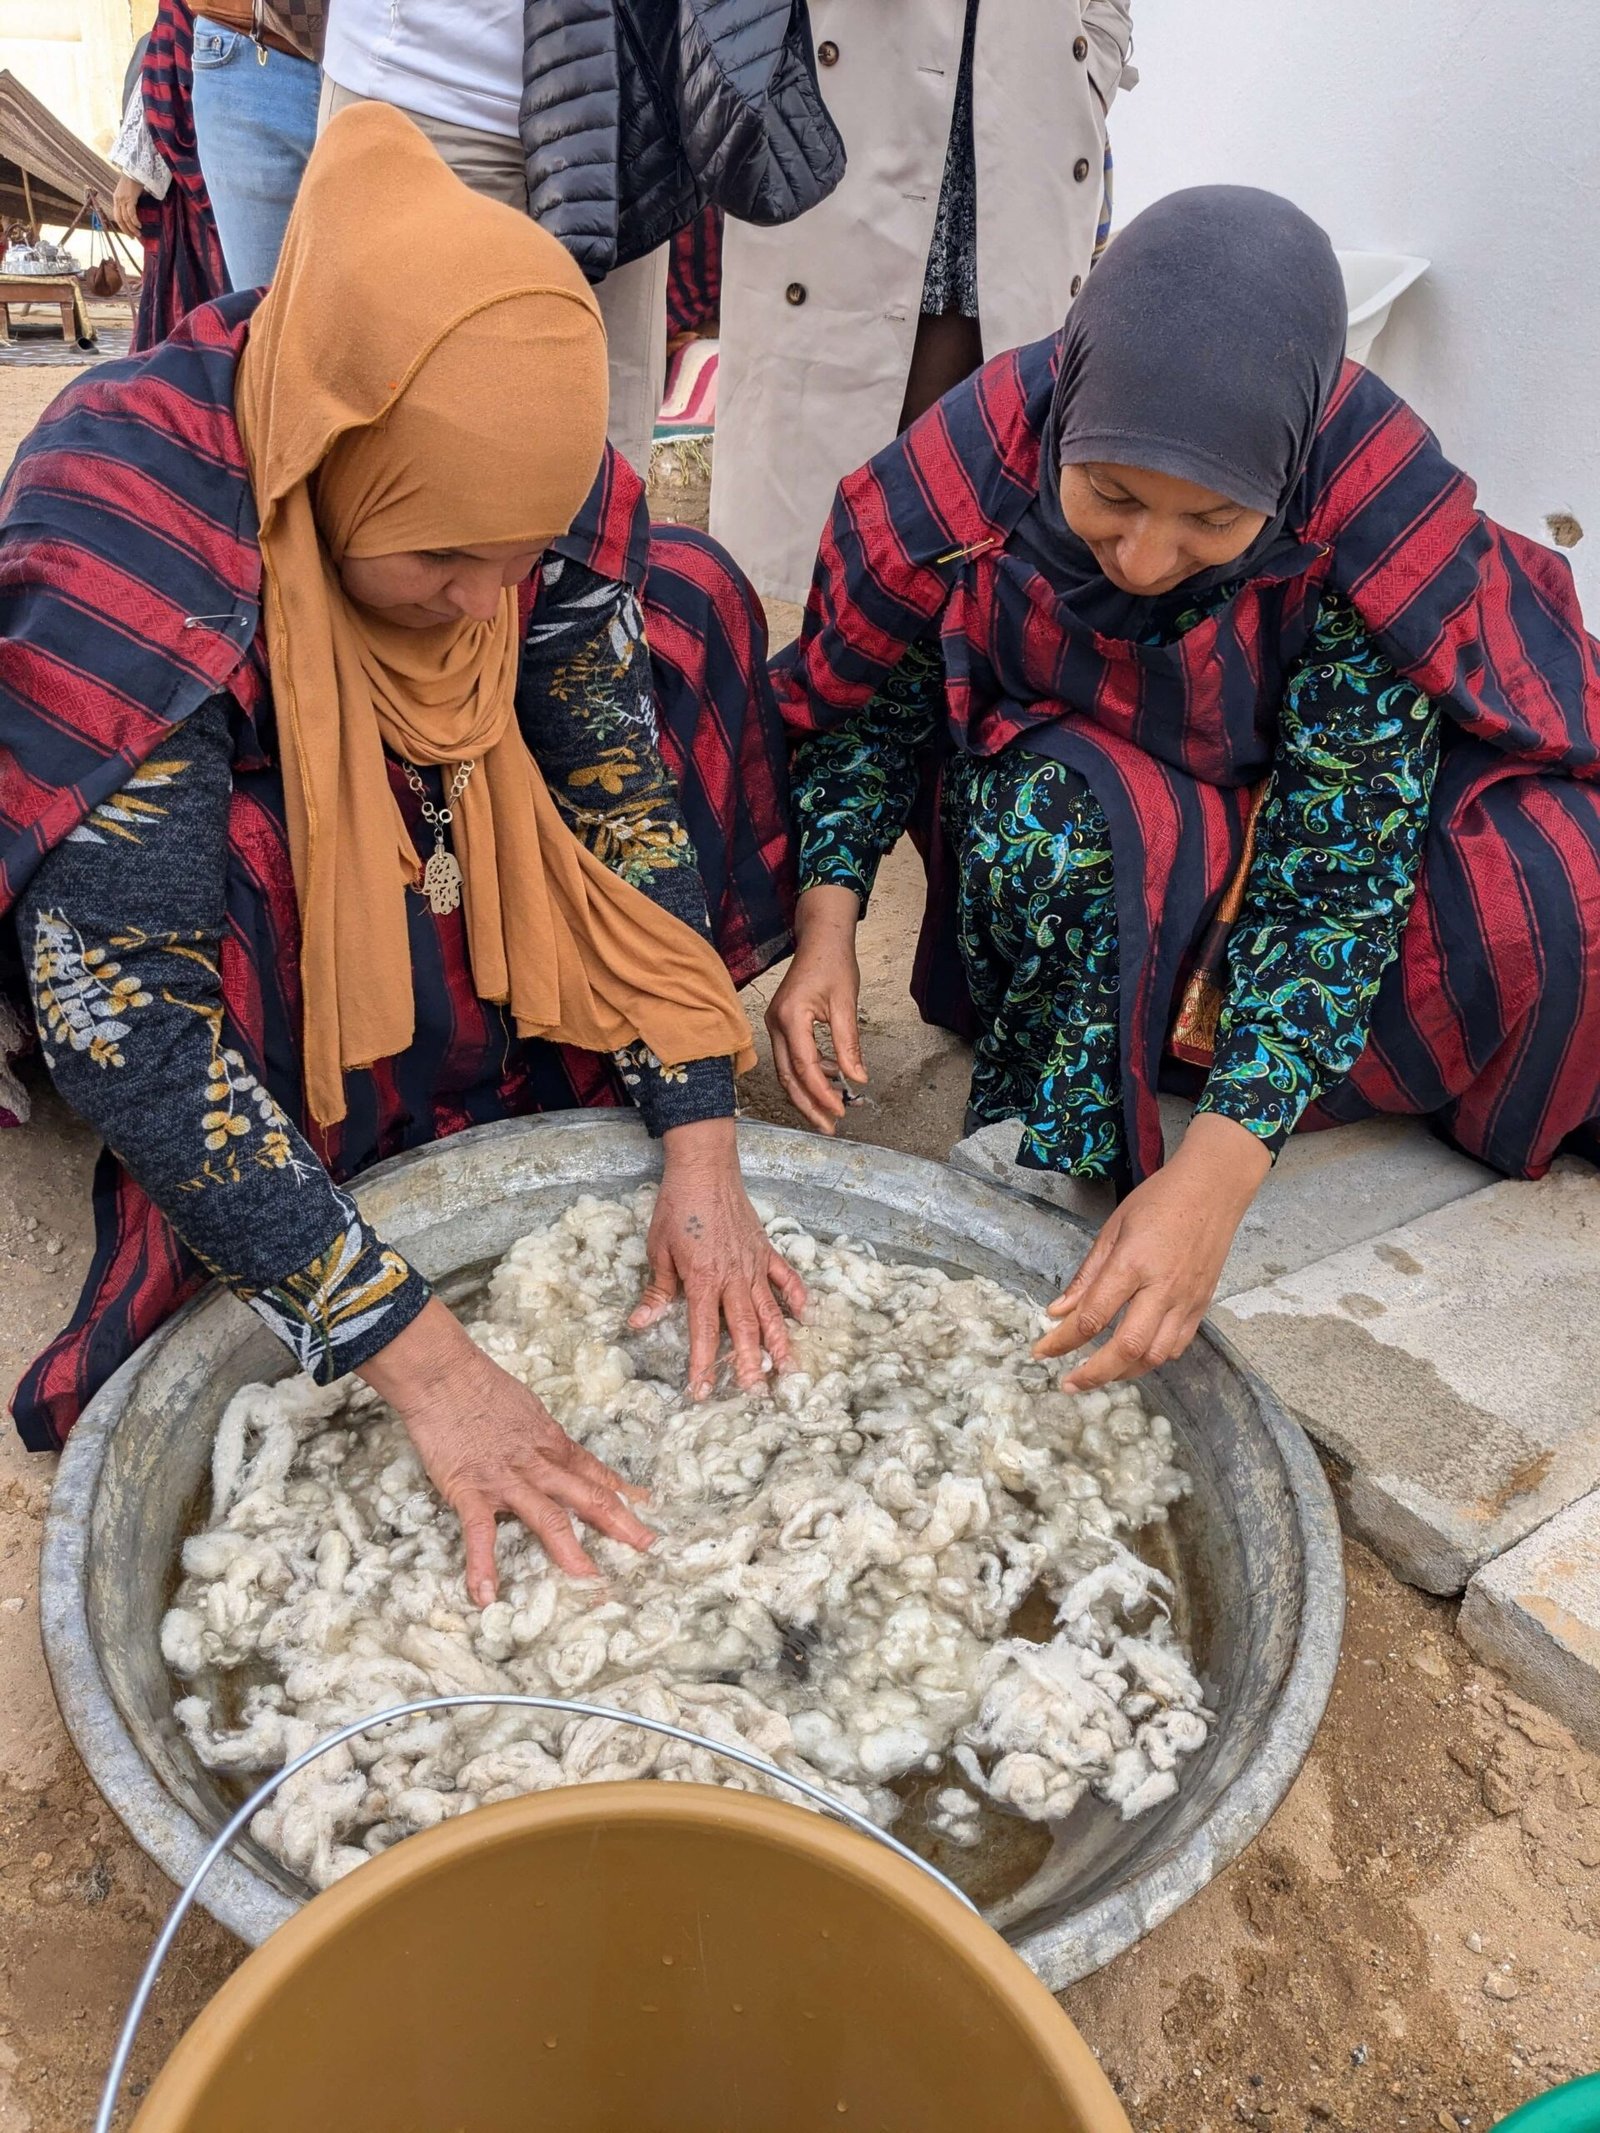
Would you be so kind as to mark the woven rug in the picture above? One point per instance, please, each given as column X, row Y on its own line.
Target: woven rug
column 39, row 343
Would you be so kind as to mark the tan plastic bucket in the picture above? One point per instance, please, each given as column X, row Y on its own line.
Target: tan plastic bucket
column 638, row 1958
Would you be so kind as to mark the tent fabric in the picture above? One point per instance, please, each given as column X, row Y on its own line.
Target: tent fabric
column 61, row 170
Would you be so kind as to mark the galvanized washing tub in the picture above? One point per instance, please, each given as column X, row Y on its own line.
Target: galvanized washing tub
column 1256, row 1546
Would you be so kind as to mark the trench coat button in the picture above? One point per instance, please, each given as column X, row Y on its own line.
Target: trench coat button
column 1080, row 47
column 1077, row 283
column 795, row 293
column 1080, row 169
column 828, row 54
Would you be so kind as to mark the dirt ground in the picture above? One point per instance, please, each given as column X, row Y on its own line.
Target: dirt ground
column 1414, row 1941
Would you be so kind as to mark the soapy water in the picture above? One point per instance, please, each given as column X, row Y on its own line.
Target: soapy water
column 842, row 1562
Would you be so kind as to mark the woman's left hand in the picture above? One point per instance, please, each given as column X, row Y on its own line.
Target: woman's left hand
column 707, row 1241
column 1159, row 1257
column 125, row 205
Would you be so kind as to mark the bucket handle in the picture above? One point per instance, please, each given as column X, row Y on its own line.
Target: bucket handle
column 264, row 1792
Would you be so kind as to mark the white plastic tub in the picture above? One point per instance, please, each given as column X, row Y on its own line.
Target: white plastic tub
column 1373, row 283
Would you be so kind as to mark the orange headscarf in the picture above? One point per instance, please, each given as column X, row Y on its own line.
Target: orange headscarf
column 428, row 371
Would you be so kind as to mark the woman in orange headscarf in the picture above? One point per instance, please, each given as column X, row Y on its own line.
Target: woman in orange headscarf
column 355, row 827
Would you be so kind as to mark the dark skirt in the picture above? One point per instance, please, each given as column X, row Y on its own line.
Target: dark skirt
column 951, row 281
column 1487, row 1023
column 722, row 740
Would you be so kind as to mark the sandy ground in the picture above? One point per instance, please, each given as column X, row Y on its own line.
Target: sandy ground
column 1413, row 1942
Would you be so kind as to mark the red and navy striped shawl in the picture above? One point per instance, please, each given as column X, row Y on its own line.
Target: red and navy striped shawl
column 130, row 580
column 183, row 264
column 130, row 583
column 1172, row 738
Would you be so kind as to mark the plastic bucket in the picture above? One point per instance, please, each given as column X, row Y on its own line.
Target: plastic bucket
column 634, row 1958
column 1573, row 2109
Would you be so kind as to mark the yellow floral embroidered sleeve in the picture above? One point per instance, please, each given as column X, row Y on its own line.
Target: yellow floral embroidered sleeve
column 121, row 928
column 586, row 703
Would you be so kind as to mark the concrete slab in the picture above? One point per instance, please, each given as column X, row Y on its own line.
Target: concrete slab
column 1535, row 1613
column 1327, row 1190
column 1452, row 1368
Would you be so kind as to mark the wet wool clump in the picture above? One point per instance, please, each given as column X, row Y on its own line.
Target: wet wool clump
column 839, row 1564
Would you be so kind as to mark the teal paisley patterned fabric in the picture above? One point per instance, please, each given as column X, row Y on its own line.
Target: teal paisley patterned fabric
column 1338, row 848
column 1037, row 919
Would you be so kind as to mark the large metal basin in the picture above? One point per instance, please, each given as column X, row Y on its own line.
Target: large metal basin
column 1262, row 1597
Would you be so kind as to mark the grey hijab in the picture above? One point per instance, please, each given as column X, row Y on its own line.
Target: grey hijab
column 1206, row 344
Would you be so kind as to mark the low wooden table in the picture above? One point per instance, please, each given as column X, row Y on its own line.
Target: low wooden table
column 61, row 289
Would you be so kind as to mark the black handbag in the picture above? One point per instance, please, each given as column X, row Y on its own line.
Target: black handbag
column 638, row 114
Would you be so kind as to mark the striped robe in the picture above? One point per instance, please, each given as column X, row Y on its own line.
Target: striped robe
column 130, row 578
column 182, row 252
column 1489, row 1021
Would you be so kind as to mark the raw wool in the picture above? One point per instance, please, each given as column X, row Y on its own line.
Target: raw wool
column 837, row 1573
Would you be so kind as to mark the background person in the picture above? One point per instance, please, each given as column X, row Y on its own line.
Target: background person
column 455, row 68
column 1177, row 604
column 162, row 187
column 256, row 83
column 964, row 224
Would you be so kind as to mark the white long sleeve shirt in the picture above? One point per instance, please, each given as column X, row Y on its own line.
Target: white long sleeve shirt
column 455, row 60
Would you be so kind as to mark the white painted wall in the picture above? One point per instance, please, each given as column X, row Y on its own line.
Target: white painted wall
column 1464, row 130
column 71, row 54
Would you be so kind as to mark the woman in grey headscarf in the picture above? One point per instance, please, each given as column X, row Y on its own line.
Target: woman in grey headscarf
column 1265, row 762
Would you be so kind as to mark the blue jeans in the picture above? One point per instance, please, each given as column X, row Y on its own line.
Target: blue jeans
column 254, row 125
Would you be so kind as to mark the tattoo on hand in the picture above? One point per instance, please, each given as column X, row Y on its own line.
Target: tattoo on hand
column 694, row 1225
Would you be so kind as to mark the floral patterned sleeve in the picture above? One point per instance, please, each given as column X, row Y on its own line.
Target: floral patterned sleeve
column 120, row 928
column 586, row 703
column 1339, row 845
column 854, row 785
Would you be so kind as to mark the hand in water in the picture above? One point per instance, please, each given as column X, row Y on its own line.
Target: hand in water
column 489, row 1446
column 1159, row 1258
column 707, row 1243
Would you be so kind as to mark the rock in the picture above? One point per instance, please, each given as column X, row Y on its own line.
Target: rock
column 1499, row 1795
column 1535, row 1614
column 1501, row 1987
column 1446, row 1369
column 1474, row 1943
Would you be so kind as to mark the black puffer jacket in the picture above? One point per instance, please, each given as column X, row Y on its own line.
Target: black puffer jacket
column 638, row 113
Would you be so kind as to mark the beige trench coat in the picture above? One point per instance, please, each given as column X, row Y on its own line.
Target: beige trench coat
column 819, row 317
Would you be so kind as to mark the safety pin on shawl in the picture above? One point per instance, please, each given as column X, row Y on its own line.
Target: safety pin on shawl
column 960, row 555
column 199, row 622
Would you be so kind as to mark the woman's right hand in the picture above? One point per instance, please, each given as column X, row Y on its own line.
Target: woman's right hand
column 489, row 1446
column 821, row 986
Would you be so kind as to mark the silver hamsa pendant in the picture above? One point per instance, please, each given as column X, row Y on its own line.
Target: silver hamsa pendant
column 441, row 881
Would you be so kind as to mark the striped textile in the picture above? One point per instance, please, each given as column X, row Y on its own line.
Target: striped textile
column 129, row 511
column 694, row 275
column 689, row 404
column 1490, row 1020
column 182, row 252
